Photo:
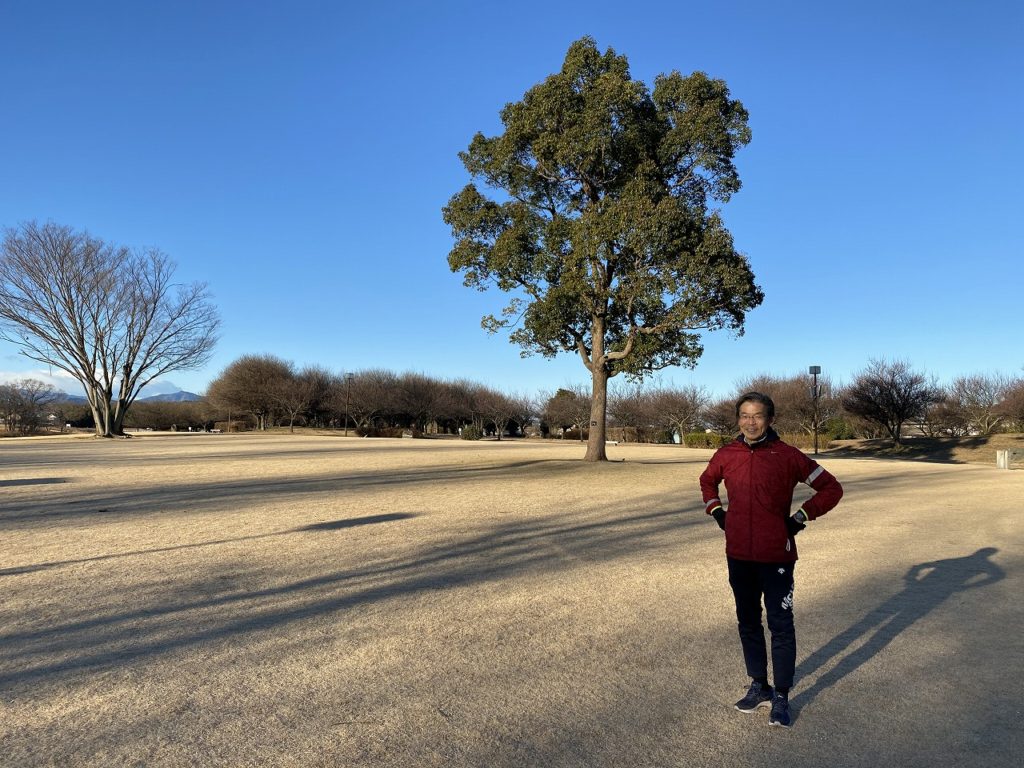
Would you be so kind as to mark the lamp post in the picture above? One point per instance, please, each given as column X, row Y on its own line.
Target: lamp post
column 348, row 389
column 814, row 370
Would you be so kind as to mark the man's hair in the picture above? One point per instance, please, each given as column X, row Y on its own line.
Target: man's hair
column 757, row 397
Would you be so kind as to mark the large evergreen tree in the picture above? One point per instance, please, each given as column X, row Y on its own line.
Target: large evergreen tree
column 603, row 232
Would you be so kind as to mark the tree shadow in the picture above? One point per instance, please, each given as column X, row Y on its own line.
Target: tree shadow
column 215, row 495
column 927, row 586
column 331, row 525
column 97, row 639
column 352, row 522
column 34, row 481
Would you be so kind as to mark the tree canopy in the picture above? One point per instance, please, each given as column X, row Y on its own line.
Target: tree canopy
column 603, row 231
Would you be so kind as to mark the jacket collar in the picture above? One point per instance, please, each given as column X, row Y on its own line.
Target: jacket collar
column 769, row 437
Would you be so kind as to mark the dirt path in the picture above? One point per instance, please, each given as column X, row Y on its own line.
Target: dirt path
column 226, row 600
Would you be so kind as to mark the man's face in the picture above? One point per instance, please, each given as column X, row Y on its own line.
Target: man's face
column 754, row 421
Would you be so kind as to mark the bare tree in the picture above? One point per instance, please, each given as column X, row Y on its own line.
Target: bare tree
column 420, row 397
column 502, row 409
column 720, row 415
column 366, row 396
column 794, row 401
column 976, row 400
column 627, row 409
column 1012, row 406
column 890, row 394
column 942, row 418
column 10, row 406
column 466, row 400
column 251, row 385
column 110, row 317
column 680, row 408
column 293, row 394
column 320, row 383
column 24, row 403
column 568, row 407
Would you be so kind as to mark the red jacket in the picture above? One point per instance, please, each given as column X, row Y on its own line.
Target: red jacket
column 759, row 480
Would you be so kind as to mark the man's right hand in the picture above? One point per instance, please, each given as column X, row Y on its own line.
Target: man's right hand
column 719, row 515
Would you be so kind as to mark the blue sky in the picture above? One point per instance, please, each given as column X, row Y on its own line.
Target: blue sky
column 296, row 156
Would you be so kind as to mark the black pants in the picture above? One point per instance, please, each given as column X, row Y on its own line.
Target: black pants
column 774, row 582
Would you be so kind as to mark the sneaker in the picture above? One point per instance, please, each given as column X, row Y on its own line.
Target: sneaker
column 758, row 696
column 780, row 711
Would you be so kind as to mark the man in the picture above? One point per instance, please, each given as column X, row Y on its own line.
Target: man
column 760, row 472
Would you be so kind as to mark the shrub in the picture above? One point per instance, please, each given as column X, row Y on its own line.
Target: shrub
column 471, row 432
column 837, row 429
column 705, row 440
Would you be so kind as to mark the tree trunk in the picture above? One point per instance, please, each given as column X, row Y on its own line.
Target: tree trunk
column 598, row 415
column 117, row 420
column 99, row 404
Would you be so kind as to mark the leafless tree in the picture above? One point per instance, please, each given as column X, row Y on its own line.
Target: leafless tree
column 976, row 399
column 942, row 418
column 24, row 404
column 720, row 415
column 110, row 317
column 501, row 409
column 420, row 397
column 251, row 385
column 1012, row 406
column 366, row 396
column 680, row 408
column 890, row 394
column 794, row 400
column 293, row 394
column 320, row 383
column 630, row 409
column 465, row 401
column 568, row 407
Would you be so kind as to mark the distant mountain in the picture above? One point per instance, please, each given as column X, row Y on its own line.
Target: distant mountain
column 174, row 397
column 64, row 397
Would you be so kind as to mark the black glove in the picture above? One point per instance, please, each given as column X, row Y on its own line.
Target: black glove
column 794, row 526
column 719, row 515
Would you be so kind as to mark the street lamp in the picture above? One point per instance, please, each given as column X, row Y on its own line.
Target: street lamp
column 814, row 370
column 348, row 389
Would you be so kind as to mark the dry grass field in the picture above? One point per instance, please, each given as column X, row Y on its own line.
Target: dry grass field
column 286, row 600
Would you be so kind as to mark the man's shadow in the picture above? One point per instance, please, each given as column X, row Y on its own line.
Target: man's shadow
column 927, row 586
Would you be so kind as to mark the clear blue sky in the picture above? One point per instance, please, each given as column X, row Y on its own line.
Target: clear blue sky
column 296, row 156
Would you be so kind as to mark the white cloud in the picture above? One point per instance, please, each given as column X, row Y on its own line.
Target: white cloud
column 57, row 379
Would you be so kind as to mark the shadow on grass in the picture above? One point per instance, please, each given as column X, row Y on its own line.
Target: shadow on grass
column 332, row 525
column 944, row 450
column 33, row 481
column 927, row 585
column 204, row 612
column 352, row 522
column 215, row 495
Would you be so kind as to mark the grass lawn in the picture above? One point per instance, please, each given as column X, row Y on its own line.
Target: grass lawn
column 305, row 600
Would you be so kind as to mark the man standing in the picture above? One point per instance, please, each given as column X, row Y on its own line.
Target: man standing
column 760, row 472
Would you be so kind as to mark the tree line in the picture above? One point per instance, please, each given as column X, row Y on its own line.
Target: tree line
column 883, row 400
column 258, row 392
